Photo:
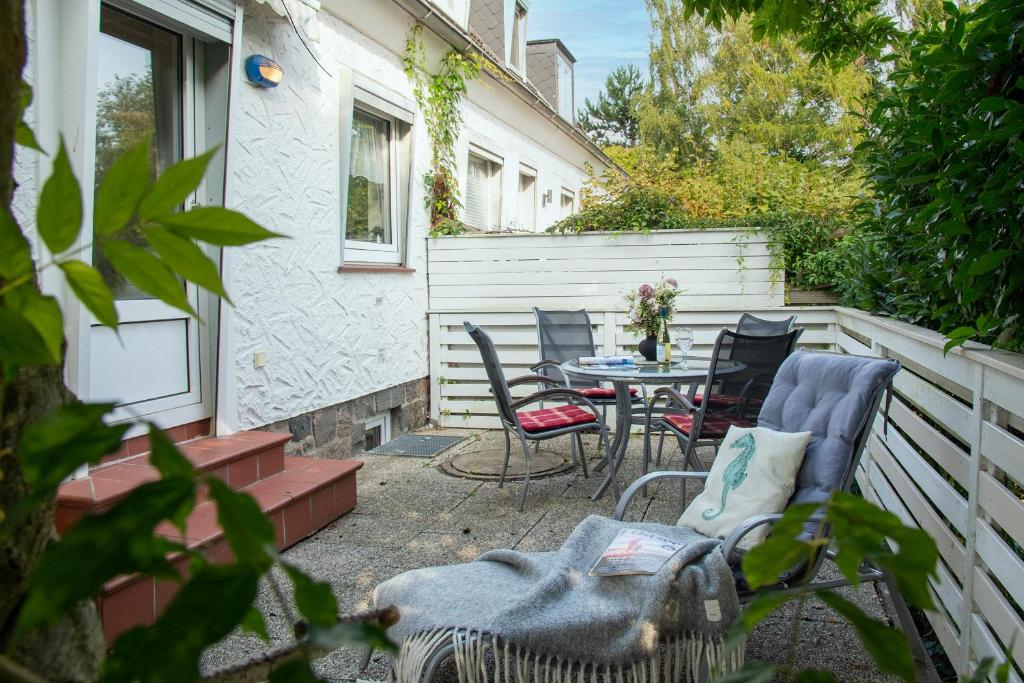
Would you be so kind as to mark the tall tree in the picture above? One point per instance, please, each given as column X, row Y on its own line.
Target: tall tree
column 612, row 119
column 771, row 94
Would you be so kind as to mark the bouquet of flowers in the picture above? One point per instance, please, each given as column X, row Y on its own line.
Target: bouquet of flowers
column 643, row 306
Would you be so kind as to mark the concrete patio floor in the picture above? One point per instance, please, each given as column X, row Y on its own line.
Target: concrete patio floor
column 410, row 514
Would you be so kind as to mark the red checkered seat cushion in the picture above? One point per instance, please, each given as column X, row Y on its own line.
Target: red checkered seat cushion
column 715, row 425
column 725, row 400
column 554, row 418
column 602, row 392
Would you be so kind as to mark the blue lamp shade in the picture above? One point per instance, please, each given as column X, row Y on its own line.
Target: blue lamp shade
column 263, row 71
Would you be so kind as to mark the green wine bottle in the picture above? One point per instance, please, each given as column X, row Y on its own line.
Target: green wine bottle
column 664, row 342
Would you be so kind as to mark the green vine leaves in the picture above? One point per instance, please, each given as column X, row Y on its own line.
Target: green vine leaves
column 439, row 96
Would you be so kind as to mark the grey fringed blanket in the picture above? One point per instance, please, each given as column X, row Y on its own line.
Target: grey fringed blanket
column 521, row 617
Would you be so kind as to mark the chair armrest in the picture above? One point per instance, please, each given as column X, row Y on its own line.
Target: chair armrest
column 532, row 379
column 620, row 509
column 553, row 364
column 675, row 395
column 748, row 525
column 572, row 394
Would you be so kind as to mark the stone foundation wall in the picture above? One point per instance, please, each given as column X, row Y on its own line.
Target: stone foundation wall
column 338, row 431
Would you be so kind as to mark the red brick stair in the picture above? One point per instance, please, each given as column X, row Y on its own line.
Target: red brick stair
column 299, row 495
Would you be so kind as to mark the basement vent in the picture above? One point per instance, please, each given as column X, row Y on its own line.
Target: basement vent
column 417, row 446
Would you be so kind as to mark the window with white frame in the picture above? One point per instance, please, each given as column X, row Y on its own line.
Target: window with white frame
column 375, row 185
column 527, row 214
column 377, row 430
column 517, row 53
column 568, row 202
column 482, row 209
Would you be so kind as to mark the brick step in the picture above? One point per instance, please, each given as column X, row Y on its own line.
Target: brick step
column 239, row 460
column 300, row 499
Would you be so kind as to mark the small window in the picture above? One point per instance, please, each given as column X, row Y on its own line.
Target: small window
column 377, row 431
column 374, row 206
column 517, row 54
column 568, row 202
column 483, row 193
column 527, row 215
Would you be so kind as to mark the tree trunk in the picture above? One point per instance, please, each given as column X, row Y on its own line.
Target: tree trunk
column 72, row 650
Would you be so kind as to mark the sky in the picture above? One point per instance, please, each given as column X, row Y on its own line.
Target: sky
column 600, row 34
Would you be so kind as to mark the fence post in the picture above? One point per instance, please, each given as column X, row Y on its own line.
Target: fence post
column 609, row 334
column 970, row 560
column 434, row 344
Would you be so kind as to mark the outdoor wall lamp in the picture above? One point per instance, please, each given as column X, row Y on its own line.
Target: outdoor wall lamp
column 263, row 71
column 547, row 197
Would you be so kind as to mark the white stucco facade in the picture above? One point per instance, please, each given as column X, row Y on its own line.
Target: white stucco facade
column 324, row 335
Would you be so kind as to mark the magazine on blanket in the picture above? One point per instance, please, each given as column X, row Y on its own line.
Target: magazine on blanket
column 634, row 551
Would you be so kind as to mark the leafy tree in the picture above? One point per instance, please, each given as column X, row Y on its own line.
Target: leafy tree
column 612, row 119
column 49, row 624
column 942, row 244
column 768, row 93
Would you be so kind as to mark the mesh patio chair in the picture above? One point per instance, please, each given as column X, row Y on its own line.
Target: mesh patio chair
column 835, row 397
column 573, row 418
column 759, row 327
column 730, row 398
column 567, row 335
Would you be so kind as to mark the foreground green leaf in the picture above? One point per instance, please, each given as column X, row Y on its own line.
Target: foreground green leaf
column 90, row 288
column 174, row 186
column 217, row 225
column 781, row 551
column 888, row 646
column 73, row 435
column 246, row 528
column 148, row 273
column 20, row 344
column 186, row 259
column 315, row 600
column 59, row 214
column 169, row 651
column 15, row 252
column 295, row 671
column 100, row 547
column 122, row 188
column 43, row 313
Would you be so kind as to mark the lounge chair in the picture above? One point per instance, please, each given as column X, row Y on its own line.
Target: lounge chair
column 835, row 397
column 759, row 327
column 578, row 415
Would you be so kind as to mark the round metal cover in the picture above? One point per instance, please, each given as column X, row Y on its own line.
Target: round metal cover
column 486, row 463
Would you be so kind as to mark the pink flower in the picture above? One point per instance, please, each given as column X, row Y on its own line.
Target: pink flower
column 672, row 281
column 646, row 292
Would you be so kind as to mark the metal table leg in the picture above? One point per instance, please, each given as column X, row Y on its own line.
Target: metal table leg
column 623, row 424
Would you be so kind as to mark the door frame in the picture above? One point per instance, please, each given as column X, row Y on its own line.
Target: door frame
column 64, row 75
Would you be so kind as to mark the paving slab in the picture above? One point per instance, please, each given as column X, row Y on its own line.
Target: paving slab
column 411, row 514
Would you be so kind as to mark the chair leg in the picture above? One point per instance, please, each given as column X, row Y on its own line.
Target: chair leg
column 661, row 445
column 689, row 451
column 526, row 476
column 504, row 466
column 573, row 441
column 583, row 455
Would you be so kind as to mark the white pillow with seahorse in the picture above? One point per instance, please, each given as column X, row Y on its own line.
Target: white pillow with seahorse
column 754, row 473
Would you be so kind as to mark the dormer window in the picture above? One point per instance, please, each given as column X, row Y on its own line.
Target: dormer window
column 517, row 51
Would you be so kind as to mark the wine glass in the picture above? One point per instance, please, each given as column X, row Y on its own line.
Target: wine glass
column 684, row 337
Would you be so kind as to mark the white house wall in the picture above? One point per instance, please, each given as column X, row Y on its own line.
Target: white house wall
column 330, row 337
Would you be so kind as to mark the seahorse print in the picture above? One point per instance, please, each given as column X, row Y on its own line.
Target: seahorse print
column 735, row 472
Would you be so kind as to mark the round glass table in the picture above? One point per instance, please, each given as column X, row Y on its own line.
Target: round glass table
column 692, row 373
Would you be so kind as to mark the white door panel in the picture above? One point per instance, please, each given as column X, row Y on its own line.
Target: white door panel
column 156, row 354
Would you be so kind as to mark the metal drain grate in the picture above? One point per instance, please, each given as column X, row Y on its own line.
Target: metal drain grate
column 417, row 446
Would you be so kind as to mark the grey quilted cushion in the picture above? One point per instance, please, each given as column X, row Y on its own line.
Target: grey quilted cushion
column 831, row 396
